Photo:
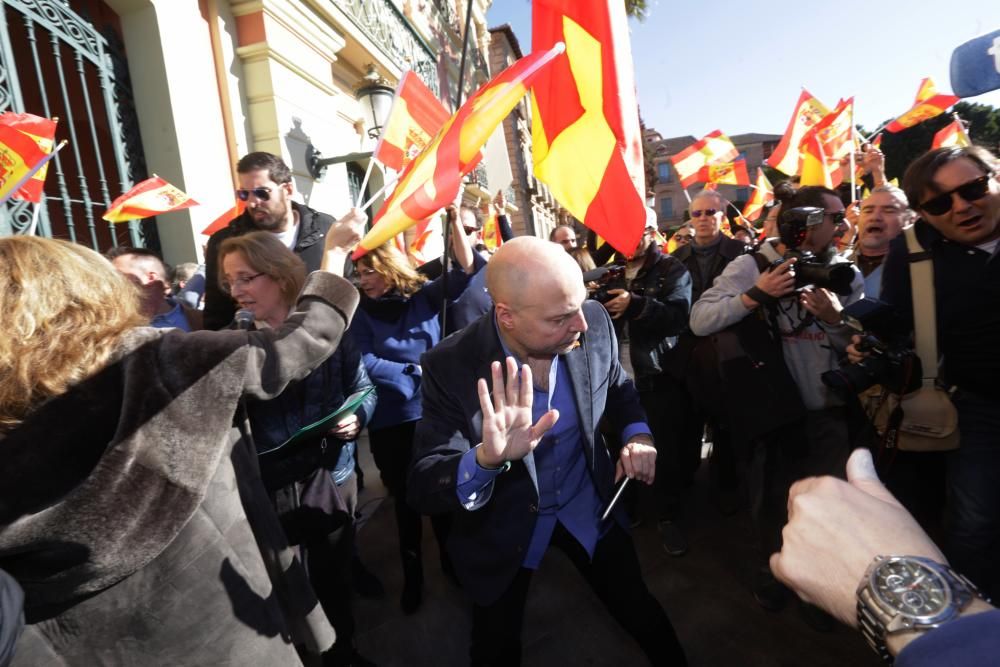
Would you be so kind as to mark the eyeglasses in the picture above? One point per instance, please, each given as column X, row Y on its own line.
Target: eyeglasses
column 263, row 194
column 470, row 230
column 838, row 217
column 708, row 212
column 684, row 237
column 971, row 191
column 240, row 282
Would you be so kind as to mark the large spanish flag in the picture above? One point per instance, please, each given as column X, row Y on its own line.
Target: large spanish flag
column 151, row 197
column 808, row 111
column 763, row 194
column 714, row 148
column 928, row 104
column 586, row 141
column 415, row 117
column 431, row 181
column 952, row 134
column 725, row 173
column 43, row 132
column 19, row 155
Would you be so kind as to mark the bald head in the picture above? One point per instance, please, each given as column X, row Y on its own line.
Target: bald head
column 526, row 268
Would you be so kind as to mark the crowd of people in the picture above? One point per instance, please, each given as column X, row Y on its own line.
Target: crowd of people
column 182, row 447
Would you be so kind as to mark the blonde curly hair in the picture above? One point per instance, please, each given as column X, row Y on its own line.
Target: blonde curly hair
column 65, row 309
column 394, row 268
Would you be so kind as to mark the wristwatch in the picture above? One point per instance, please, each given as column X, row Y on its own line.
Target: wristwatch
column 908, row 594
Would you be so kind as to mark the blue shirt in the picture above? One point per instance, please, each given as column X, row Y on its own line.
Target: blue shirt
column 566, row 491
column 173, row 318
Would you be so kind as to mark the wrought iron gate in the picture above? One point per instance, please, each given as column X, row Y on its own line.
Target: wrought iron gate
column 54, row 62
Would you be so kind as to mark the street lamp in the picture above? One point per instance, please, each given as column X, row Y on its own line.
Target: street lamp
column 375, row 97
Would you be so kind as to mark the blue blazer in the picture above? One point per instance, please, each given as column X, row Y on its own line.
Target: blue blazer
column 488, row 544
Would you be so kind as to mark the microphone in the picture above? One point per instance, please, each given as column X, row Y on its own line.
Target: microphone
column 244, row 318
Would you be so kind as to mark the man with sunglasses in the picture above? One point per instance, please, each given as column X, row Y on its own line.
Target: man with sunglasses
column 266, row 187
column 705, row 256
column 956, row 192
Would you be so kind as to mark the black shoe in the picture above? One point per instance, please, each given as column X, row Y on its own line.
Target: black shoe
column 816, row 618
column 366, row 584
column 413, row 583
column 769, row 593
column 674, row 542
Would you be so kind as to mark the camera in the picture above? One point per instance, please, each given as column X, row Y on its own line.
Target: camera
column 891, row 363
column 607, row 278
column 810, row 269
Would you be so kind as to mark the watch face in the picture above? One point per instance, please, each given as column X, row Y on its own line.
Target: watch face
column 911, row 588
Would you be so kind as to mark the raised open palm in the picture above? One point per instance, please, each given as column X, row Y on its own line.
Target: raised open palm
column 508, row 434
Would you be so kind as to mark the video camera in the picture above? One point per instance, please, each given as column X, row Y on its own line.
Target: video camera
column 607, row 278
column 810, row 269
column 891, row 362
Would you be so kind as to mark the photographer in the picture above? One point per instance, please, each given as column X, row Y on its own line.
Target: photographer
column 957, row 195
column 654, row 305
column 797, row 426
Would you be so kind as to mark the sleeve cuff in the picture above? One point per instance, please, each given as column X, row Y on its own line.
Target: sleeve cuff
column 635, row 429
column 474, row 481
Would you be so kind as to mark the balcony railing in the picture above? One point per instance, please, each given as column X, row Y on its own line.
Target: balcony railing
column 383, row 23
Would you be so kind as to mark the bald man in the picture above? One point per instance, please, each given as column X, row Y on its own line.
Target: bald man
column 525, row 467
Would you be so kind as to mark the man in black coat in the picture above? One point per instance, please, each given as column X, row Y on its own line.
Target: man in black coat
column 266, row 187
column 655, row 306
column 705, row 257
column 540, row 474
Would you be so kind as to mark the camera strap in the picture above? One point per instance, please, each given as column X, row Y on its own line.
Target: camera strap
column 924, row 305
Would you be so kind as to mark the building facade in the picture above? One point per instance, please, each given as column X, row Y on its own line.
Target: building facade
column 183, row 88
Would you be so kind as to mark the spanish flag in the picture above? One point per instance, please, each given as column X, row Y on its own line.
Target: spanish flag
column 224, row 219
column 43, row 132
column 952, row 134
column 762, row 195
column 19, row 155
column 928, row 104
column 825, row 144
column 151, row 197
column 586, row 140
column 714, row 147
column 491, row 232
column 808, row 112
column 415, row 117
column 725, row 173
column 431, row 181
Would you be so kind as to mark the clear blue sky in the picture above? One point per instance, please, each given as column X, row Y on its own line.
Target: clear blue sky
column 739, row 67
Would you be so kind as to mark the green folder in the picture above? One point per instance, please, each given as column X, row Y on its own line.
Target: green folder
column 346, row 409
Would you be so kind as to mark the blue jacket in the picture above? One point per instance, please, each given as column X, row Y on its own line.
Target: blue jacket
column 393, row 332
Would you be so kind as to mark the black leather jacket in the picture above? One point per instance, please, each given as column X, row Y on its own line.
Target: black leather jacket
column 657, row 313
column 219, row 306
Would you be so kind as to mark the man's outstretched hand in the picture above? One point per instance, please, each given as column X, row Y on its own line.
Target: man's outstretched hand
column 508, row 434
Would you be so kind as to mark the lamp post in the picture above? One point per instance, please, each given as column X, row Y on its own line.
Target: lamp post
column 374, row 94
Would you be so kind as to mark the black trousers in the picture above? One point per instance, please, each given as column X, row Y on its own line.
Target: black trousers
column 613, row 574
column 392, row 449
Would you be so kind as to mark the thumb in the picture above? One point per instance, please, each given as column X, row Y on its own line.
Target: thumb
column 544, row 423
column 861, row 475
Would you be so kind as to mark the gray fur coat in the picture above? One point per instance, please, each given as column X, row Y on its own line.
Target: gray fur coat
column 132, row 512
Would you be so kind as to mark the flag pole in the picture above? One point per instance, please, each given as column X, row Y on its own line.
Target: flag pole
column 31, row 172
column 364, row 182
column 389, row 182
column 854, row 177
column 30, row 231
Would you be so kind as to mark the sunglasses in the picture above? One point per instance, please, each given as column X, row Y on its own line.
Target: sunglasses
column 470, row 230
column 838, row 217
column 971, row 191
column 708, row 212
column 263, row 194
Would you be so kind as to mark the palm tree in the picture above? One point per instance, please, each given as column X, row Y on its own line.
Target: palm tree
column 637, row 9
